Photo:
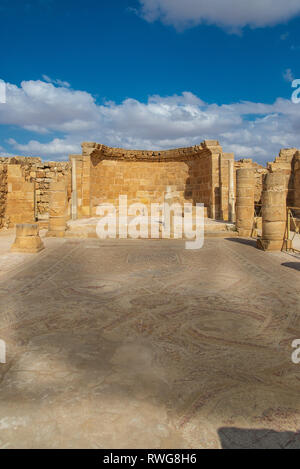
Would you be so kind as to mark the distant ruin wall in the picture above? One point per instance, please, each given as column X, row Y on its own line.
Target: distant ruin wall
column 145, row 177
column 285, row 162
column 3, row 193
column 198, row 174
column 296, row 171
column 25, row 181
column 144, row 182
column 42, row 174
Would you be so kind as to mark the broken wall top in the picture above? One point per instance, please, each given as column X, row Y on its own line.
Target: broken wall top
column 178, row 154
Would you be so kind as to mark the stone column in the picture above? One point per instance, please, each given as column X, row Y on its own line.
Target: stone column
column 20, row 197
column 244, row 201
column 74, row 208
column 297, row 184
column 273, row 211
column 58, row 207
column 86, row 186
column 27, row 239
column 231, row 196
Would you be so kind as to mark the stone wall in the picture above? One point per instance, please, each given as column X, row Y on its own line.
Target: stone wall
column 42, row 174
column 285, row 162
column 199, row 182
column 192, row 174
column 144, row 182
column 3, row 193
column 296, row 173
column 24, row 188
column 20, row 204
column 198, row 174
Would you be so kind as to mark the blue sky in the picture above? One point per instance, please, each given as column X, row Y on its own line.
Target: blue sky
column 149, row 74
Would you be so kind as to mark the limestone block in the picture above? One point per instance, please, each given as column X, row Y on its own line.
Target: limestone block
column 27, row 239
column 14, row 171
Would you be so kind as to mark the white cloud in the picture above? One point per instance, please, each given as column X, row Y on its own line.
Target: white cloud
column 56, row 147
column 56, row 82
column 230, row 14
column 288, row 75
column 64, row 118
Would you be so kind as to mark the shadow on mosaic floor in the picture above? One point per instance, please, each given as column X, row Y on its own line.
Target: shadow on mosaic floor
column 292, row 265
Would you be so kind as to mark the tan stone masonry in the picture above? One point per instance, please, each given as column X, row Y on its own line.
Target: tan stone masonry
column 245, row 201
column 58, row 209
column 27, row 239
column 104, row 173
column 16, row 183
column 199, row 174
column 273, row 211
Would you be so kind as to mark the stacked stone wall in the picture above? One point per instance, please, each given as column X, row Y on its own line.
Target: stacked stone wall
column 198, row 174
column 25, row 181
column 144, row 182
column 3, row 193
column 192, row 175
column 42, row 174
column 285, row 163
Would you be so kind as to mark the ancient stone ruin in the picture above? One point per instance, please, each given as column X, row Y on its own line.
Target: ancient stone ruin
column 51, row 194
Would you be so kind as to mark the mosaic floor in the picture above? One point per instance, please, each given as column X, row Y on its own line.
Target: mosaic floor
column 143, row 344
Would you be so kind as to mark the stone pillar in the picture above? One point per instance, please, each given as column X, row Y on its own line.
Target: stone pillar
column 273, row 211
column 20, row 197
column 58, row 207
column 244, row 201
column 231, row 196
column 86, row 186
column 74, row 208
column 27, row 239
column 297, row 184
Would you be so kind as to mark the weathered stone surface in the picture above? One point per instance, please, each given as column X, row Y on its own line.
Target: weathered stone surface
column 58, row 207
column 142, row 344
column 27, row 239
column 245, row 201
column 104, row 173
column 297, row 182
column 273, row 211
column 20, row 171
column 198, row 174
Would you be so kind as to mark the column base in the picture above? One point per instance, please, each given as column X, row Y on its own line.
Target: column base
column 270, row 245
column 244, row 233
column 17, row 249
column 27, row 239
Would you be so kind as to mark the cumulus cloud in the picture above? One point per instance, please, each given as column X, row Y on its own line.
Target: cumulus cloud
column 230, row 14
column 58, row 119
column 56, row 147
